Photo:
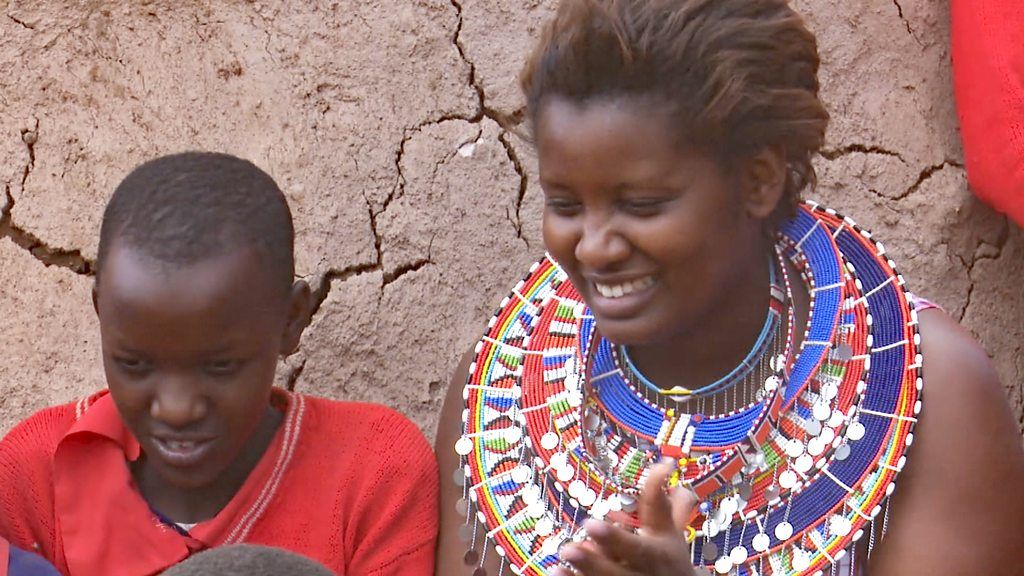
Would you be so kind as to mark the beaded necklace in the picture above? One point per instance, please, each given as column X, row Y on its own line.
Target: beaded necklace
column 554, row 432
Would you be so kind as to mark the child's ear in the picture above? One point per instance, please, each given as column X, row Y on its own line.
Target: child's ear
column 300, row 307
column 764, row 178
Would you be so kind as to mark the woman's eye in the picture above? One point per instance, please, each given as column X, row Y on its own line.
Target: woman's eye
column 644, row 206
column 223, row 367
column 562, row 206
column 133, row 366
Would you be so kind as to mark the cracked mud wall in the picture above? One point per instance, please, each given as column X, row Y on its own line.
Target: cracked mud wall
column 394, row 126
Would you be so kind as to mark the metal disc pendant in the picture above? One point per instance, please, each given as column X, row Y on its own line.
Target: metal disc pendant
column 711, row 529
column 761, row 542
column 565, row 473
column 843, row 452
column 744, row 490
column 709, row 551
column 821, row 411
column 801, row 560
column 803, row 463
column 480, row 571
column 549, row 441
column 783, row 530
column 844, row 352
column 813, row 427
column 855, row 431
column 815, row 446
column 521, row 474
column 723, row 565
column 794, row 448
column 459, row 477
column 462, row 507
column 738, row 555
column 839, row 525
column 466, row 532
column 787, row 479
column 471, row 557
column 771, row 493
column 463, row 446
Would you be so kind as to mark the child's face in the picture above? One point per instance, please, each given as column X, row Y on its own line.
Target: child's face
column 189, row 353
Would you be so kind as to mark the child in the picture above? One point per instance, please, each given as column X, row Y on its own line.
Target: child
column 247, row 560
column 191, row 447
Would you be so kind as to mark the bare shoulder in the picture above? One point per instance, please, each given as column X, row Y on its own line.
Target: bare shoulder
column 957, row 503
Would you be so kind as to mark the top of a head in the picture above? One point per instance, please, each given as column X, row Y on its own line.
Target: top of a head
column 182, row 208
column 737, row 76
column 247, row 560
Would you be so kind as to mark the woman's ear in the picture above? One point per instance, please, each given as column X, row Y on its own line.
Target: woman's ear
column 764, row 182
column 300, row 309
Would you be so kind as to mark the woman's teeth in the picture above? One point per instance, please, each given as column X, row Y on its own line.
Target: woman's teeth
column 620, row 290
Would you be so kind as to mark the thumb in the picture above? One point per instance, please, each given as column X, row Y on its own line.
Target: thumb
column 656, row 510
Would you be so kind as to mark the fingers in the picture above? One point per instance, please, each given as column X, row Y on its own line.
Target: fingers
column 655, row 508
column 683, row 501
column 589, row 561
column 619, row 544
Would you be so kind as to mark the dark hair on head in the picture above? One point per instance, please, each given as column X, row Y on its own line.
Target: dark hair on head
column 247, row 560
column 181, row 208
column 738, row 76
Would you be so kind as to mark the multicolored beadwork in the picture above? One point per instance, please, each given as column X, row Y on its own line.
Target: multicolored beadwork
column 555, row 433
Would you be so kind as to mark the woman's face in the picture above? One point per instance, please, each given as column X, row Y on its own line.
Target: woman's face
column 654, row 236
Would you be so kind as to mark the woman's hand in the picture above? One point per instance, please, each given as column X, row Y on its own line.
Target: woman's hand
column 660, row 549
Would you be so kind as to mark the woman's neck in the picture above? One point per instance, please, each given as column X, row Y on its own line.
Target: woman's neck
column 718, row 341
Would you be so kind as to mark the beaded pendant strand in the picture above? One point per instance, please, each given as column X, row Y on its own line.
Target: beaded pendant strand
column 558, row 429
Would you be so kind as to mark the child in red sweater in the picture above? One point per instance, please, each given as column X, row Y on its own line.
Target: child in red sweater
column 192, row 447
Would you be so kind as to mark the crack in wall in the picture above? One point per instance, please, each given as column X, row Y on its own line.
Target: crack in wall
column 1002, row 240
column 835, row 153
column 906, row 23
column 507, row 122
column 21, row 23
column 925, row 175
column 41, row 251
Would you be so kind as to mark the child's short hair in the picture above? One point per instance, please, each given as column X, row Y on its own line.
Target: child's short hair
column 247, row 560
column 185, row 207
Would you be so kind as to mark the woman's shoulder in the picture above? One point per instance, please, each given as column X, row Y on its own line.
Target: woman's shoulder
column 955, row 509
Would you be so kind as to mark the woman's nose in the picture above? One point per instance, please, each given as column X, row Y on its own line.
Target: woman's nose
column 600, row 245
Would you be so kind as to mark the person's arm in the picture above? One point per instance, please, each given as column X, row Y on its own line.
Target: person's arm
column 988, row 77
column 451, row 551
column 958, row 505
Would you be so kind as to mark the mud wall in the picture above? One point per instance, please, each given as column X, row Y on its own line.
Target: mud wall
column 393, row 126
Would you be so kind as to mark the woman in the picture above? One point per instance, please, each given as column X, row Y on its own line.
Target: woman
column 713, row 378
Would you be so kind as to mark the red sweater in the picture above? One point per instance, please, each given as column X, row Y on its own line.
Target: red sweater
column 353, row 486
column 988, row 75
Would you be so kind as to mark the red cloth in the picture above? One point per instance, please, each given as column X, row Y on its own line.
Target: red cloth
column 353, row 486
column 988, row 76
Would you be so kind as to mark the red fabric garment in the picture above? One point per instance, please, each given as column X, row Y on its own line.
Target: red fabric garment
column 353, row 486
column 988, row 76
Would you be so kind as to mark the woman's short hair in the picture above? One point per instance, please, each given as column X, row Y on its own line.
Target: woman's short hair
column 737, row 76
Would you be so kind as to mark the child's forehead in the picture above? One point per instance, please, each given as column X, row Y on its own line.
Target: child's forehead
column 226, row 278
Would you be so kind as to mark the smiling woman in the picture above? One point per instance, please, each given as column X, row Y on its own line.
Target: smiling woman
column 192, row 447
column 706, row 375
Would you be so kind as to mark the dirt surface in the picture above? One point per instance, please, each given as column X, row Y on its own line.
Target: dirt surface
column 394, row 126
